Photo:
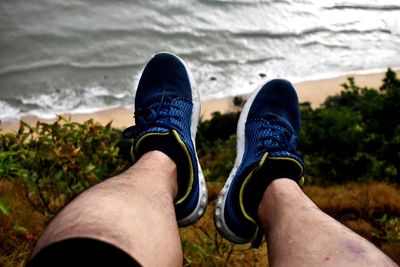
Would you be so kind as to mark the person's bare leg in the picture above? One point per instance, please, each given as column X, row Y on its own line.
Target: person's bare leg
column 298, row 233
column 133, row 211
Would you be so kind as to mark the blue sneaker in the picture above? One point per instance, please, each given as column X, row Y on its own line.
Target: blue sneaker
column 167, row 109
column 266, row 142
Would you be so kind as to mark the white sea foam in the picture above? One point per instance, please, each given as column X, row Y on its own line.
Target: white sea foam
column 7, row 112
column 68, row 100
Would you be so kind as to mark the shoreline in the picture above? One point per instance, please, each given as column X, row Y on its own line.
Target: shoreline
column 312, row 91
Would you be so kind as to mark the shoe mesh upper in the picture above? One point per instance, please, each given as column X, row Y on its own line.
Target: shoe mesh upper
column 263, row 136
column 165, row 116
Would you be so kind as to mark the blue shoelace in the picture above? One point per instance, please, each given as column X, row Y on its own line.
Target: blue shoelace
column 156, row 115
column 274, row 137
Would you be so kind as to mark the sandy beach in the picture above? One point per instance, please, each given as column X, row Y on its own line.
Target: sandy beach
column 314, row 92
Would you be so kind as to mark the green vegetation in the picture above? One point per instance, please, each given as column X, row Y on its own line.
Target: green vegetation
column 350, row 145
column 54, row 162
column 355, row 135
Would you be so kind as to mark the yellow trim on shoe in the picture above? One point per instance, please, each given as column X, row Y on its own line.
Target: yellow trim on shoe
column 244, row 185
column 301, row 181
column 261, row 163
column 133, row 156
column 191, row 174
column 256, row 240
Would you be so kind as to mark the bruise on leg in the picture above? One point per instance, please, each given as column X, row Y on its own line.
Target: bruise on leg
column 354, row 247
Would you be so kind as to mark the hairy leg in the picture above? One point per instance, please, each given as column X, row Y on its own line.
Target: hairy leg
column 298, row 233
column 133, row 211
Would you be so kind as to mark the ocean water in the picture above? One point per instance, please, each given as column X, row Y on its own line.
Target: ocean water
column 60, row 56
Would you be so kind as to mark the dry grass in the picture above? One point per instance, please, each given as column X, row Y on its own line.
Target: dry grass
column 363, row 228
column 393, row 250
column 357, row 200
column 19, row 229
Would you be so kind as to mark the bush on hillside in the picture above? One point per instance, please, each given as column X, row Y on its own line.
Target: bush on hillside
column 355, row 135
column 57, row 161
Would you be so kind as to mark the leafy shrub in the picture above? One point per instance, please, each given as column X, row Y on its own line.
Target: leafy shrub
column 57, row 161
column 219, row 127
column 355, row 135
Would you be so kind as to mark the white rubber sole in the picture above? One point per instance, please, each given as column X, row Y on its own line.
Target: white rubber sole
column 219, row 213
column 201, row 205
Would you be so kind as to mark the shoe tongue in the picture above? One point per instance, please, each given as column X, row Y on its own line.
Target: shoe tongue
column 278, row 120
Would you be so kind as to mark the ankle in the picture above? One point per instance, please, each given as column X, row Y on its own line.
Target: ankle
column 158, row 161
column 277, row 193
column 284, row 171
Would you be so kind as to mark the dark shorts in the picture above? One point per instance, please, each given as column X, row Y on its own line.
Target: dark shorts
column 81, row 252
